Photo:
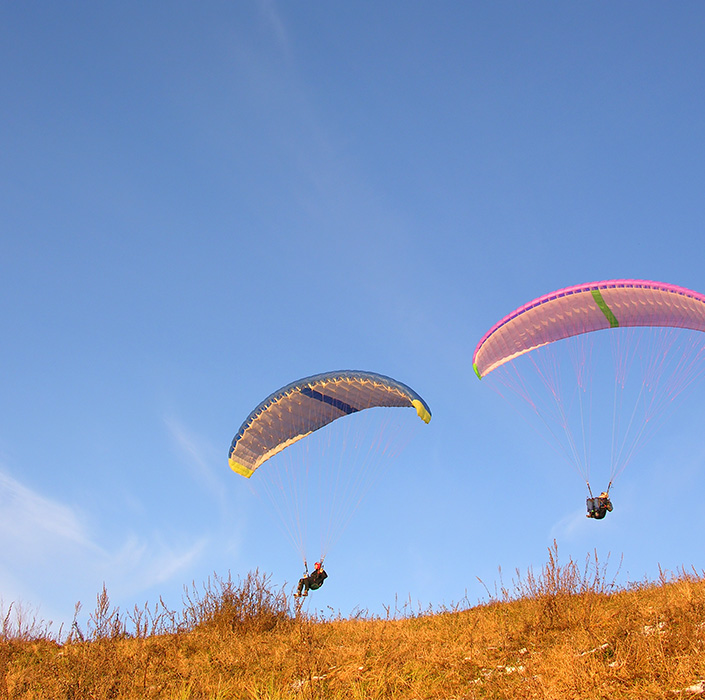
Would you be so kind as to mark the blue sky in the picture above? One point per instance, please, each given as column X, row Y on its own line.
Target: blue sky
column 205, row 201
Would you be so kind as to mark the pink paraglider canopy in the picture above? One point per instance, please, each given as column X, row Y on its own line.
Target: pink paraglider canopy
column 585, row 308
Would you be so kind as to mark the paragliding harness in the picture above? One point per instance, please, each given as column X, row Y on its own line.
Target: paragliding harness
column 313, row 581
column 317, row 578
column 598, row 506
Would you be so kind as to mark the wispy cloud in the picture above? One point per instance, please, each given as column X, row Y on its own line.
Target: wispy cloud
column 139, row 565
column 208, row 468
column 45, row 540
column 273, row 17
column 31, row 523
column 572, row 525
column 200, row 459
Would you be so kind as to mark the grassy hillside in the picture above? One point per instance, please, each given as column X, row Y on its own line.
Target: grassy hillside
column 564, row 632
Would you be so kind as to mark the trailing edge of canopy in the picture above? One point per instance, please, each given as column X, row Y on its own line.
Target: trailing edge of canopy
column 585, row 308
column 299, row 408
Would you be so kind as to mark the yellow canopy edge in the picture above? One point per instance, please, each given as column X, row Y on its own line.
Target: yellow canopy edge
column 424, row 415
column 240, row 469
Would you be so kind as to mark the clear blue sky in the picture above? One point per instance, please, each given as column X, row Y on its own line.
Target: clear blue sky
column 202, row 202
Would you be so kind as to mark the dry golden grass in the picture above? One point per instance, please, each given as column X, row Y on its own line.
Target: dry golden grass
column 562, row 633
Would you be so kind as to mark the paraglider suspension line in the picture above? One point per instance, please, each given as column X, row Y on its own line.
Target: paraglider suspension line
column 607, row 490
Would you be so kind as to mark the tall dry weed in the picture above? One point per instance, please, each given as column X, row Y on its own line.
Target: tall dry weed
column 248, row 605
column 22, row 623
